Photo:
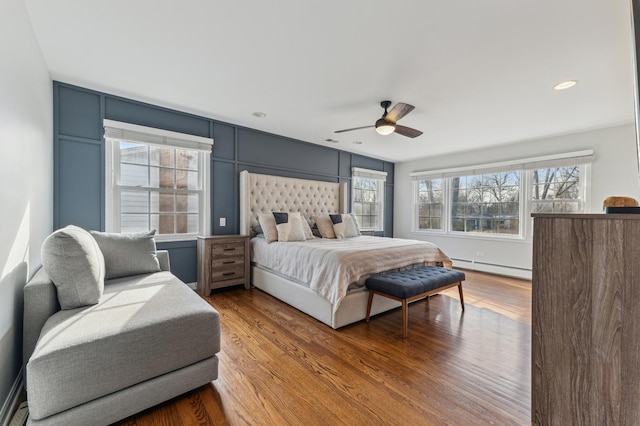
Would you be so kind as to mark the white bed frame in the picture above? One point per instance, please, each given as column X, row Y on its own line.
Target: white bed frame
column 267, row 193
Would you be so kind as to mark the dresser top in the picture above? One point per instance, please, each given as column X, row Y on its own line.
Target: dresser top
column 616, row 216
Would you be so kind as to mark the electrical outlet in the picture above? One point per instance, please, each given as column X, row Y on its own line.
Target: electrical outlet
column 223, row 221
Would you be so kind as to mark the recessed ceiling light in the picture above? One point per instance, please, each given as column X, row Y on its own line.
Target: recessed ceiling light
column 331, row 140
column 259, row 114
column 357, row 142
column 565, row 85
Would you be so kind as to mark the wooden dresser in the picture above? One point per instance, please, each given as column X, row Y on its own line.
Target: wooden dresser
column 223, row 261
column 586, row 320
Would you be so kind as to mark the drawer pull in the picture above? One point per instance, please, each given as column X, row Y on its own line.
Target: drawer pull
column 230, row 249
column 226, row 274
column 228, row 262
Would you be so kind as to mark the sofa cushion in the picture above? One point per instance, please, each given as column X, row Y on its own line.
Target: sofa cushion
column 74, row 262
column 144, row 326
column 128, row 254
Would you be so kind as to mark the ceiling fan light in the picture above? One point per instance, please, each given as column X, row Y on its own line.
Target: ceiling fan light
column 384, row 127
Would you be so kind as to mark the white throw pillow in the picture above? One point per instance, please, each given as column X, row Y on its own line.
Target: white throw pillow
column 352, row 228
column 268, row 225
column 338, row 225
column 325, row 226
column 289, row 226
column 308, row 233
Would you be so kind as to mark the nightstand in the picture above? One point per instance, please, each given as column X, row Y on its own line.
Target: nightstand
column 223, row 261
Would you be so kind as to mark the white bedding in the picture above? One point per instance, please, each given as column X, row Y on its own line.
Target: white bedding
column 329, row 266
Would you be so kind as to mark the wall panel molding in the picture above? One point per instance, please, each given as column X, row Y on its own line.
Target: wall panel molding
column 79, row 157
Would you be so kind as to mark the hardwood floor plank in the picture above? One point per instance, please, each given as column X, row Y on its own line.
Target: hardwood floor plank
column 280, row 366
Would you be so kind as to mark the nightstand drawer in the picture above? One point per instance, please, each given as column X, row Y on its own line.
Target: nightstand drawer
column 228, row 249
column 226, row 262
column 227, row 273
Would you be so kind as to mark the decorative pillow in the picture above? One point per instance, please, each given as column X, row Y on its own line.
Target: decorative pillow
column 315, row 231
column 325, row 226
column 128, row 254
column 74, row 262
column 338, row 225
column 308, row 233
column 352, row 228
column 268, row 225
column 345, row 225
column 289, row 226
column 258, row 230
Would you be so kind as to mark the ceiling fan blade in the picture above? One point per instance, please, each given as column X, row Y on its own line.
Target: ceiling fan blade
column 398, row 111
column 407, row 131
column 354, row 128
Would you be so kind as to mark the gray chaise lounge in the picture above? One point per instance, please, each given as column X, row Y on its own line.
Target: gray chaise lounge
column 148, row 339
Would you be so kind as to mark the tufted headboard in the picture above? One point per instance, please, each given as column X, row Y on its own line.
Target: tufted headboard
column 267, row 193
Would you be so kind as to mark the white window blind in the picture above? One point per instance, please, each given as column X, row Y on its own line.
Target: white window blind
column 371, row 174
column 149, row 135
column 547, row 161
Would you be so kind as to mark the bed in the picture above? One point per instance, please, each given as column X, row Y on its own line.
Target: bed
column 335, row 296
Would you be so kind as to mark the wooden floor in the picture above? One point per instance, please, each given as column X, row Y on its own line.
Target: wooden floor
column 279, row 366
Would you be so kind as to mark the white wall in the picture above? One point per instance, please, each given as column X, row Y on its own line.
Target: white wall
column 26, row 167
column 613, row 172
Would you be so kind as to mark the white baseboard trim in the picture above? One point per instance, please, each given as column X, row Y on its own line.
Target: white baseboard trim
column 13, row 399
column 491, row 268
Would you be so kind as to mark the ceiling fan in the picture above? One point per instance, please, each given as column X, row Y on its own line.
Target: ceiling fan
column 387, row 123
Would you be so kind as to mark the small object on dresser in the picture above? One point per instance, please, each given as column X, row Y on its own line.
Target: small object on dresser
column 624, row 210
column 223, row 261
column 620, row 204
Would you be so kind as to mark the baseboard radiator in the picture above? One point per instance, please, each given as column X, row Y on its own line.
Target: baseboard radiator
column 492, row 268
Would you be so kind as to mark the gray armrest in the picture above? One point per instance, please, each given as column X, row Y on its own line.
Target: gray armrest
column 163, row 259
column 40, row 302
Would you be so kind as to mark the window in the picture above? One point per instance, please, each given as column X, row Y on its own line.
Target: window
column 496, row 202
column 430, row 204
column 556, row 190
column 486, row 204
column 156, row 180
column 368, row 198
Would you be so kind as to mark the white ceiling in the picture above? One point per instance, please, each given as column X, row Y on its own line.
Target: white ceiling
column 480, row 73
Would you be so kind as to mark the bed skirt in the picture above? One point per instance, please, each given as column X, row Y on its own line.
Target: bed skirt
column 352, row 309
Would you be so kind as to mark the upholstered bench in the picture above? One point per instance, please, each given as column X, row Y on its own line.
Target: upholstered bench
column 412, row 284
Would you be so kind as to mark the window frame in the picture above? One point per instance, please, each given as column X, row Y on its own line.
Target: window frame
column 448, row 211
column 116, row 132
column 416, row 207
column 358, row 173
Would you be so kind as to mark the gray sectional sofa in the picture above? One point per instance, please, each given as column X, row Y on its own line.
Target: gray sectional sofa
column 147, row 338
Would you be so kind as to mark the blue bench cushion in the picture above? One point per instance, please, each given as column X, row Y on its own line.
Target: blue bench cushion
column 411, row 282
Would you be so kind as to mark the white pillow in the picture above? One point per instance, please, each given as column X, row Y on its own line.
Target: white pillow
column 352, row 227
column 345, row 225
column 325, row 226
column 268, row 225
column 308, row 233
column 338, row 225
column 289, row 226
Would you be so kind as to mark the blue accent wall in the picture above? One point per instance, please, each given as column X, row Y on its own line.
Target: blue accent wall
column 79, row 187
